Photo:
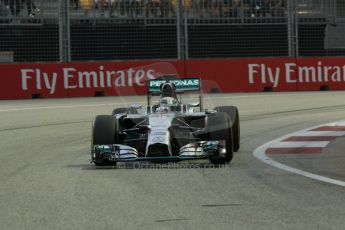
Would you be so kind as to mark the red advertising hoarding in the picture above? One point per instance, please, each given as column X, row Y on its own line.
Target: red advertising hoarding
column 129, row 78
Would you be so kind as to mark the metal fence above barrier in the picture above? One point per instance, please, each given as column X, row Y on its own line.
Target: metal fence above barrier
column 51, row 30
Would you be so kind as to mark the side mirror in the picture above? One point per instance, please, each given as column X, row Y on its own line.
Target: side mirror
column 136, row 106
column 194, row 104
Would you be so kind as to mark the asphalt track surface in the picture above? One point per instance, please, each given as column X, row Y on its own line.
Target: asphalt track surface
column 47, row 181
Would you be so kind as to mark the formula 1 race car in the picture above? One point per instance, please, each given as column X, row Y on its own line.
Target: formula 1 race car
column 168, row 130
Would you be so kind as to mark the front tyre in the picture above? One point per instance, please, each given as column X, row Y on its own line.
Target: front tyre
column 233, row 114
column 104, row 132
column 218, row 127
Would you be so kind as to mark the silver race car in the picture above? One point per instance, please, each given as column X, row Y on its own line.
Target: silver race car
column 168, row 130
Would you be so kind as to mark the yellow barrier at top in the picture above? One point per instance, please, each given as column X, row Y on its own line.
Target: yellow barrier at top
column 185, row 3
column 86, row 4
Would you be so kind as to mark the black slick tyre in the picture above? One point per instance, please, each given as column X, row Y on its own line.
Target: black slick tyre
column 233, row 114
column 104, row 132
column 218, row 127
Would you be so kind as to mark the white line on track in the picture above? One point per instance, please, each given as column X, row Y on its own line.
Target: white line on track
column 87, row 105
column 57, row 107
column 321, row 133
column 206, row 97
column 260, row 154
column 256, row 94
column 299, row 144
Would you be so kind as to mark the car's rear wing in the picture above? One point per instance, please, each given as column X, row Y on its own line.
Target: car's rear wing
column 182, row 85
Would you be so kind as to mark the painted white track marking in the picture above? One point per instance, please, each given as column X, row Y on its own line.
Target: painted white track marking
column 57, row 107
column 321, row 133
column 234, row 96
column 260, row 154
column 300, row 144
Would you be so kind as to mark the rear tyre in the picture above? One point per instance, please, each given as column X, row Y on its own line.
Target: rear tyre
column 124, row 110
column 219, row 128
column 104, row 132
column 233, row 114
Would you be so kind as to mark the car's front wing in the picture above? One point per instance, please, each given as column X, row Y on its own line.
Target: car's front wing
column 124, row 153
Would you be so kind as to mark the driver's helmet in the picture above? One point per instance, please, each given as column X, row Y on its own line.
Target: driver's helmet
column 168, row 104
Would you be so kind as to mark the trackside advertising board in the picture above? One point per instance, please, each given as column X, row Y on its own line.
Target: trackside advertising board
column 19, row 81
